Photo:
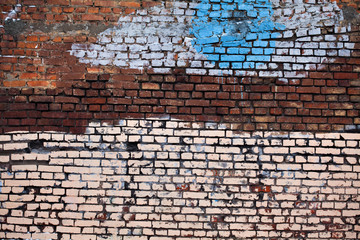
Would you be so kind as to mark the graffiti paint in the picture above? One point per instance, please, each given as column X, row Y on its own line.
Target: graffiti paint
column 235, row 33
column 231, row 34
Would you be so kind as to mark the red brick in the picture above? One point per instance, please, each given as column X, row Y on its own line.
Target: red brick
column 27, row 121
column 207, row 87
column 171, row 102
column 126, row 101
column 325, row 75
column 290, row 111
column 148, row 4
column 60, row 99
column 282, row 119
column 341, row 106
column 260, row 88
column 54, row 115
column 308, row 89
column 28, row 76
column 354, row 91
column 276, row 111
column 338, row 120
column 314, row 120
column 145, row 101
column 15, row 114
column 38, row 83
column 343, row 75
column 93, row 100
column 80, row 115
column 197, row 103
column 150, row 86
column 14, row 83
column 105, row 3
column 133, row 108
column 184, row 87
column 49, row 122
column 265, row 104
column 222, row 103
column 264, row 118
column 59, row 2
column 41, row 99
column 316, row 105
column 81, row 2
column 21, row 106
column 333, row 90
column 288, row 104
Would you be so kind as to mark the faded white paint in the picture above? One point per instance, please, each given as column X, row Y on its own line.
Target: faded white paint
column 310, row 15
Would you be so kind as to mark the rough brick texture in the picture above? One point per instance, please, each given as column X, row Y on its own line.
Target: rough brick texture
column 281, row 67
column 206, row 119
column 161, row 179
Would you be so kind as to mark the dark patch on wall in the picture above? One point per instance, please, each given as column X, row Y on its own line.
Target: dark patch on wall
column 132, row 146
column 38, row 144
column 239, row 23
column 14, row 27
column 351, row 15
column 91, row 29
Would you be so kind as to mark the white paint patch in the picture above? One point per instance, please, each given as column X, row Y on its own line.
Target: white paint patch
column 150, row 38
column 13, row 13
column 300, row 14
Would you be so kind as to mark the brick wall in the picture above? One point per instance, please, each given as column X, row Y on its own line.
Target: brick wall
column 207, row 119
column 161, row 179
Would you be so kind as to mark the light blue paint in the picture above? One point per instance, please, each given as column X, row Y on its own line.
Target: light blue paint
column 1, row 184
column 235, row 33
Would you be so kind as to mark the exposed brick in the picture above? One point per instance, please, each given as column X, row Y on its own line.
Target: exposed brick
column 346, row 76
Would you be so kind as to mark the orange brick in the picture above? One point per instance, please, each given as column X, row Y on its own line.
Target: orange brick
column 38, row 83
column 57, row 39
column 93, row 10
column 105, row 3
column 56, row 9
column 61, row 17
column 153, row 86
column 32, row 38
column 28, row 76
column 129, row 11
column 130, row 4
column 31, row 45
column 5, row 67
column 105, row 10
column 92, row 17
column 69, row 9
column 14, row 83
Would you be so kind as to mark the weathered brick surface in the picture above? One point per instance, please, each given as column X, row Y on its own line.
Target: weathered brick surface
column 153, row 120
column 162, row 179
column 280, row 67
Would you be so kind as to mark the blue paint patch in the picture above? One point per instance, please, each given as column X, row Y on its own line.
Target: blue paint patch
column 235, row 33
column 1, row 184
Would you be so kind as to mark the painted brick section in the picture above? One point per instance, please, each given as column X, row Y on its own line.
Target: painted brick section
column 162, row 179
